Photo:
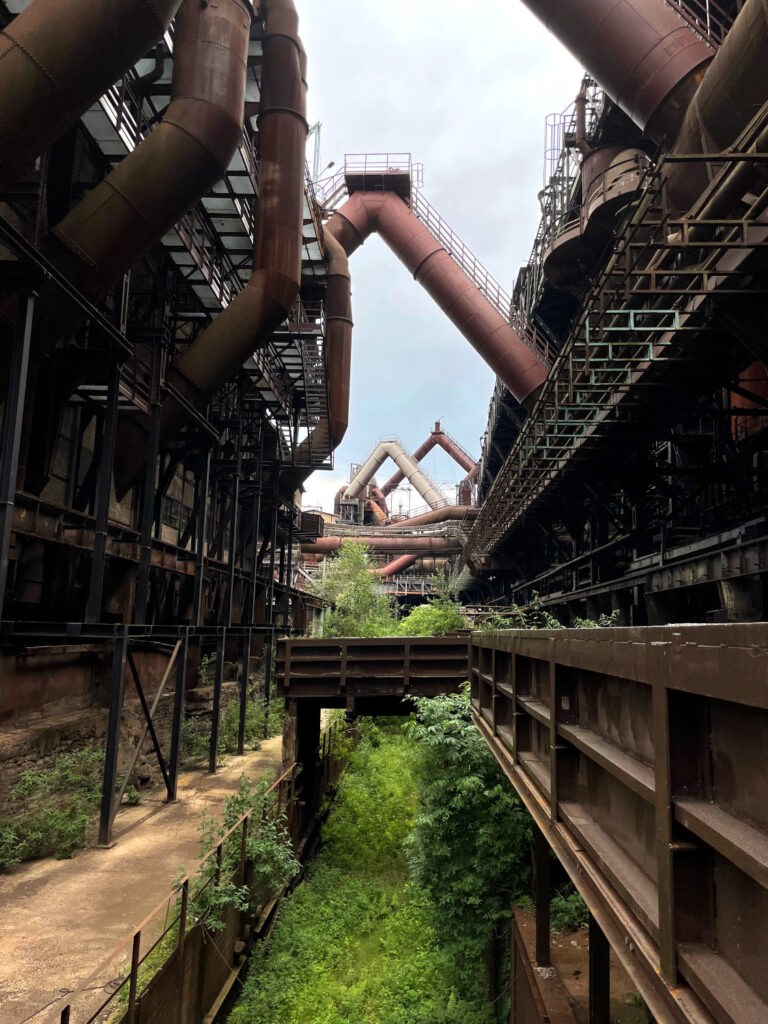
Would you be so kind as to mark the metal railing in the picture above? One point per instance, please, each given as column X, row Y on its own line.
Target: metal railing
column 706, row 17
column 170, row 924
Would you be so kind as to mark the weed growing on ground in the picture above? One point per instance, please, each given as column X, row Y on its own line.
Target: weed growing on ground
column 355, row 943
column 49, row 810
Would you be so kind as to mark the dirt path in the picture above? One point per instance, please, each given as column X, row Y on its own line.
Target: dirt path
column 59, row 919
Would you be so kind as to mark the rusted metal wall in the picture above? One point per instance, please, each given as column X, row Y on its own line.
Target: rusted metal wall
column 370, row 676
column 640, row 752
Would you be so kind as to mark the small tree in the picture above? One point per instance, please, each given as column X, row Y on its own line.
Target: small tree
column 357, row 608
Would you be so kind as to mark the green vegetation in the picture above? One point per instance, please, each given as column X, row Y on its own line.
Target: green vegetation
column 536, row 616
column 357, row 941
column 49, row 811
column 358, row 609
column 470, row 847
column 274, row 864
column 196, row 732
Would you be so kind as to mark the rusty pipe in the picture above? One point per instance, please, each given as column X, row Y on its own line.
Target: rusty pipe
column 57, row 58
column 468, row 309
column 732, row 91
column 338, row 338
column 642, row 54
column 580, row 138
column 438, row 515
column 179, row 161
column 404, row 462
column 410, row 545
column 395, row 566
column 249, row 320
column 421, row 452
column 437, row 437
column 376, row 495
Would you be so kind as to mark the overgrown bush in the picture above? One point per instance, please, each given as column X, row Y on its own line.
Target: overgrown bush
column 469, row 849
column 49, row 810
column 436, row 618
column 356, row 606
column 355, row 943
column 196, row 732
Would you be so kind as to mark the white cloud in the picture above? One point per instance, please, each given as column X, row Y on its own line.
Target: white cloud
column 466, row 90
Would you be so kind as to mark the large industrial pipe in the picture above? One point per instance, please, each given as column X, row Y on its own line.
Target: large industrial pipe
column 249, row 320
column 404, row 462
column 464, row 304
column 395, row 566
column 734, row 88
column 338, row 337
column 179, row 161
column 641, row 53
column 422, row 545
column 438, row 515
column 437, row 437
column 57, row 58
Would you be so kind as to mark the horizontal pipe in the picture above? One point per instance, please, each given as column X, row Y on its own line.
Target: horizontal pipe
column 640, row 52
column 466, row 307
column 57, row 59
column 422, row 545
column 439, row 515
column 396, row 566
column 179, row 161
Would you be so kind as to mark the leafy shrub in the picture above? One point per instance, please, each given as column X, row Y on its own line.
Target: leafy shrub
column 355, row 943
column 49, row 810
column 436, row 618
column 469, row 849
column 357, row 608
column 568, row 911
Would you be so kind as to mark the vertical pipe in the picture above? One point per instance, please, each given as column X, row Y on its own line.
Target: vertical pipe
column 113, row 737
column 178, row 715
column 12, row 424
column 104, row 493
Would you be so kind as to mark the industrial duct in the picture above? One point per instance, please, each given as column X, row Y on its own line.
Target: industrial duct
column 438, row 515
column 437, row 437
column 414, row 244
column 248, row 321
column 57, row 58
column 404, row 462
column 642, row 54
column 179, row 161
column 396, row 566
column 409, row 545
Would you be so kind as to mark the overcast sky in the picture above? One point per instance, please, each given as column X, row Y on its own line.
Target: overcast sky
column 467, row 95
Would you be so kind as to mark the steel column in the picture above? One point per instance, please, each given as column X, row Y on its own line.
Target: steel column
column 178, row 716
column 148, row 497
column 12, row 425
column 543, row 896
column 117, row 689
column 221, row 649
column 202, row 529
column 244, row 692
column 104, row 493
column 599, row 975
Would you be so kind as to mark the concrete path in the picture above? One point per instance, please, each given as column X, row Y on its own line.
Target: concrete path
column 60, row 919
